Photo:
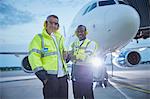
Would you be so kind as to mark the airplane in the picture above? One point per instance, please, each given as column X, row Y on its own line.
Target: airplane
column 111, row 23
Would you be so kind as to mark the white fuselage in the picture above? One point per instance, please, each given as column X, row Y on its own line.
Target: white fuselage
column 111, row 26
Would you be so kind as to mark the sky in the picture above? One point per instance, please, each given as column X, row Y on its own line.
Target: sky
column 20, row 20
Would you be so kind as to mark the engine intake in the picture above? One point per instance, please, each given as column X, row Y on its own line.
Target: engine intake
column 26, row 65
column 133, row 58
column 128, row 59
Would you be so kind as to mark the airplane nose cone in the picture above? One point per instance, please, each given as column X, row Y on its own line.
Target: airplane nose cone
column 125, row 20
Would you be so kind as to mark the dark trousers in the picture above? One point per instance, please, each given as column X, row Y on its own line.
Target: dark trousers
column 83, row 89
column 56, row 88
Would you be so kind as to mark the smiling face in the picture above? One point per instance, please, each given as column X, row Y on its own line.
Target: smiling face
column 81, row 32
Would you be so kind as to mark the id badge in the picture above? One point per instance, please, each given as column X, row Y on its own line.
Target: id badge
column 45, row 49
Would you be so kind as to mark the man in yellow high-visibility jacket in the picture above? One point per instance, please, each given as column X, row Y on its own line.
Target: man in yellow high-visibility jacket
column 46, row 57
column 82, row 75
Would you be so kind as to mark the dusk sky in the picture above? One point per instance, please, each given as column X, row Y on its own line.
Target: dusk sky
column 20, row 20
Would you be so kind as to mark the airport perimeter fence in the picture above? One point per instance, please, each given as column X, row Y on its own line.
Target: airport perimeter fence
column 10, row 68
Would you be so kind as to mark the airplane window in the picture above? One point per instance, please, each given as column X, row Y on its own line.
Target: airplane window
column 103, row 3
column 92, row 7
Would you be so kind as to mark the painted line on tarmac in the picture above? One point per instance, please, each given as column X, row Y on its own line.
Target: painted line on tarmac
column 13, row 80
column 115, row 86
column 130, row 86
column 136, row 88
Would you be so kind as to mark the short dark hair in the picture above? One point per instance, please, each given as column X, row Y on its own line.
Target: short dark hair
column 52, row 16
column 81, row 26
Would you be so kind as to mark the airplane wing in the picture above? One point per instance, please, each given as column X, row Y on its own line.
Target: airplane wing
column 25, row 63
column 14, row 53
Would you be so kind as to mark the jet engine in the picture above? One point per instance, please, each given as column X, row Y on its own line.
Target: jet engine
column 127, row 59
column 26, row 65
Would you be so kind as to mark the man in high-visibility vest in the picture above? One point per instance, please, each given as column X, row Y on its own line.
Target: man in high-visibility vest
column 82, row 74
column 46, row 52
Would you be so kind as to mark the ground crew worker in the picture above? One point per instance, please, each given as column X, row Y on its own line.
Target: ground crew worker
column 46, row 60
column 82, row 74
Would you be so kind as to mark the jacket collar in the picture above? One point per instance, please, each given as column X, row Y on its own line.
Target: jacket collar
column 45, row 34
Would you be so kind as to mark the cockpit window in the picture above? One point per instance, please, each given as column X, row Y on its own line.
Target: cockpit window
column 86, row 10
column 109, row 2
column 92, row 6
column 122, row 2
column 89, row 8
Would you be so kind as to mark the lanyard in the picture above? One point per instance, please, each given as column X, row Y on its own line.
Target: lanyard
column 80, row 46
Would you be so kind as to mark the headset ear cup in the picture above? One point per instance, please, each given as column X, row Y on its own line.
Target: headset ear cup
column 44, row 24
column 86, row 32
column 58, row 25
column 75, row 33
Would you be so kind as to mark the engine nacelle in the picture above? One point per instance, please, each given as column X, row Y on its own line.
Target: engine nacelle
column 128, row 59
column 26, row 65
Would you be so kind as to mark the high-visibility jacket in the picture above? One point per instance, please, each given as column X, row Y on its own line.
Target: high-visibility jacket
column 43, row 53
column 81, row 52
column 82, row 70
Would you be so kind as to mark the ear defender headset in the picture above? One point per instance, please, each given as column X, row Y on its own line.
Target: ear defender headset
column 45, row 24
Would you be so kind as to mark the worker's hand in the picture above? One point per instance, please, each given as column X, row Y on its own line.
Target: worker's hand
column 65, row 55
column 73, row 58
column 42, row 75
